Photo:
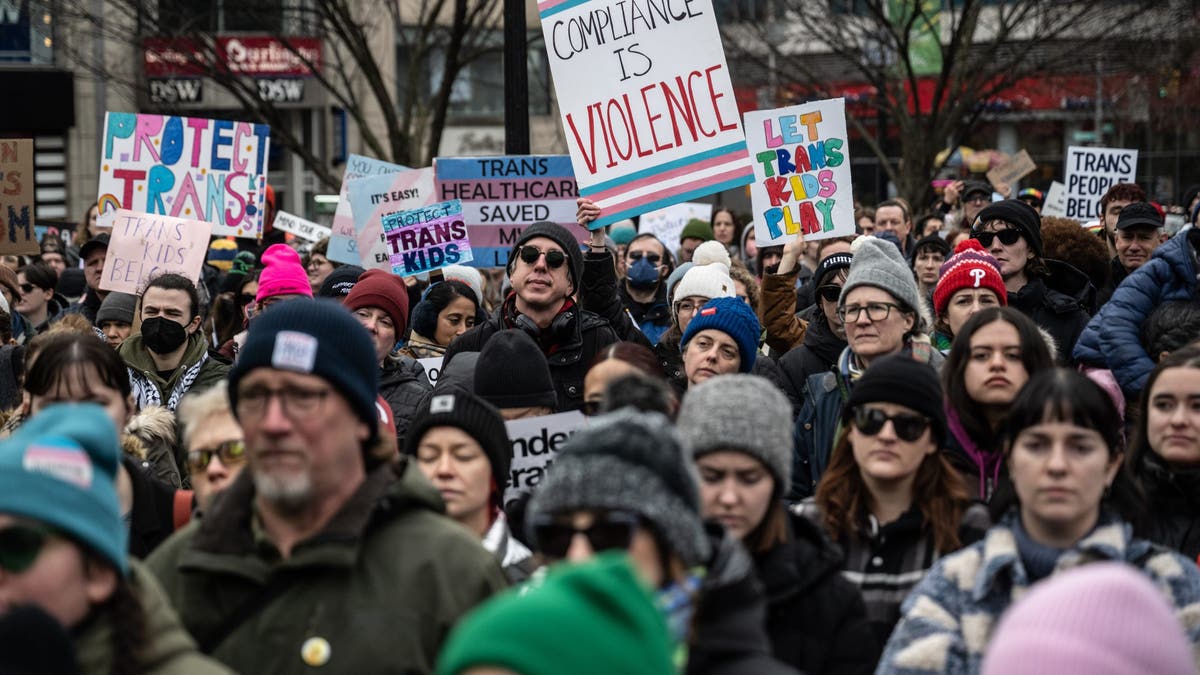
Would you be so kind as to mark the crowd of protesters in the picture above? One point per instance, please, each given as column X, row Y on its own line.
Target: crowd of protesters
column 959, row 441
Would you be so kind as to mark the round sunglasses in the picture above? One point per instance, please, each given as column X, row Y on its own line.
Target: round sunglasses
column 554, row 257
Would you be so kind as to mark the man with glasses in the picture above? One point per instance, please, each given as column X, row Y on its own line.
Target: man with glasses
column 644, row 293
column 320, row 536
column 544, row 267
column 1012, row 232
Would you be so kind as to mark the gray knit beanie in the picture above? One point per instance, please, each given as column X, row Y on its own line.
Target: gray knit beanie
column 745, row 413
column 628, row 461
column 878, row 263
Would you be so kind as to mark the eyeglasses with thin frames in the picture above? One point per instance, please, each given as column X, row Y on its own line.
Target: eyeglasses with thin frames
column 297, row 402
column 876, row 311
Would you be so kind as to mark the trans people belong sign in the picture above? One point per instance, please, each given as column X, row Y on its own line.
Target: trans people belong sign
column 647, row 105
column 186, row 167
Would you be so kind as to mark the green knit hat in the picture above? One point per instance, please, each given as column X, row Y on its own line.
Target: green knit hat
column 594, row 618
column 696, row 229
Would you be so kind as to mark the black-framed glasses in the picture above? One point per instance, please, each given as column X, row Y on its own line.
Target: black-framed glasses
column 1007, row 237
column 554, row 257
column 609, row 531
column 876, row 311
column 908, row 427
column 20, row 546
column 296, row 402
column 231, row 453
column 830, row 292
column 654, row 258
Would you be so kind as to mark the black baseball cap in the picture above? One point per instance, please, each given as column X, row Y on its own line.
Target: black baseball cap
column 1139, row 214
column 96, row 242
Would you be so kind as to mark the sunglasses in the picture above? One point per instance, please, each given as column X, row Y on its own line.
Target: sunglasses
column 230, row 453
column 654, row 258
column 20, row 546
column 610, row 531
column 830, row 292
column 554, row 257
column 592, row 408
column 27, row 288
column 908, row 427
column 1007, row 237
column 244, row 299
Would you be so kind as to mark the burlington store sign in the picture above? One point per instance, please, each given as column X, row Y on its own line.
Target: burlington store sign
column 176, row 68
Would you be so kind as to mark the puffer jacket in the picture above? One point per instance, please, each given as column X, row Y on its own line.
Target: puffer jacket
column 380, row 586
column 403, row 384
column 167, row 650
column 1060, row 315
column 1174, row 504
column 950, row 616
column 1112, row 338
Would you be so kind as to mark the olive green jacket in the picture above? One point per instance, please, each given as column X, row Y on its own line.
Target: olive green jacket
column 198, row 370
column 377, row 591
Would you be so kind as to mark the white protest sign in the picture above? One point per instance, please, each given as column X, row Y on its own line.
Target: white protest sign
column 1017, row 167
column 801, row 172
column 667, row 223
column 343, row 243
column 1056, row 200
column 305, row 229
column 647, row 106
column 374, row 197
column 535, row 443
column 144, row 245
column 1090, row 173
column 433, row 368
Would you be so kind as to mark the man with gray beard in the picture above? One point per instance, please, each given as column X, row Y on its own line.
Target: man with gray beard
column 324, row 551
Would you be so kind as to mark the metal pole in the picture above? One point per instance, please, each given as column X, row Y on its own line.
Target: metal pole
column 516, row 80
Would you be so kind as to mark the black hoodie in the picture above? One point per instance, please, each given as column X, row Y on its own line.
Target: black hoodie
column 819, row 352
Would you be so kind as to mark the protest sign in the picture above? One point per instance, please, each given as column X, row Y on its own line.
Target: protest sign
column 305, row 229
column 666, row 224
column 428, row 238
column 1090, row 172
column 535, row 443
column 1056, row 200
column 647, row 105
column 374, row 197
column 502, row 195
column 144, row 245
column 17, row 234
column 801, row 172
column 1017, row 167
column 433, row 368
column 343, row 242
column 186, row 167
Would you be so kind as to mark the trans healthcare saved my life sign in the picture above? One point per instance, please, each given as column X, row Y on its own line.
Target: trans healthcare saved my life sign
column 647, row 105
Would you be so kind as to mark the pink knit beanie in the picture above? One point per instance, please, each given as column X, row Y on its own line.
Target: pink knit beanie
column 1100, row 619
column 282, row 274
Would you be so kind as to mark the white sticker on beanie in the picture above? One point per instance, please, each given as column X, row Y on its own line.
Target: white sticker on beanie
column 978, row 273
column 294, row 351
column 67, row 463
column 442, row 404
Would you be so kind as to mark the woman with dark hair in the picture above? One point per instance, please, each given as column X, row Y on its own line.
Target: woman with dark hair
column 968, row 282
column 815, row 618
column 1165, row 455
column 614, row 362
column 317, row 264
column 727, row 229
column 890, row 498
column 994, row 354
column 448, row 310
column 38, row 303
column 1071, row 506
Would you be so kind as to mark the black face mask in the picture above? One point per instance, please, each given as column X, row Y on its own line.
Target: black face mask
column 162, row 335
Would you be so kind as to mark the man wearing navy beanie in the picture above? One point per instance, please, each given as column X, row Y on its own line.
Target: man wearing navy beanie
column 315, row 527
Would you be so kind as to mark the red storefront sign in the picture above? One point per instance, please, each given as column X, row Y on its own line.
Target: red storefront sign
column 254, row 55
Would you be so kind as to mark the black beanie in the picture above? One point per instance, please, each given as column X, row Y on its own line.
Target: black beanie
column 902, row 380
column 559, row 235
column 1018, row 214
column 830, row 265
column 478, row 418
column 513, row 373
column 340, row 282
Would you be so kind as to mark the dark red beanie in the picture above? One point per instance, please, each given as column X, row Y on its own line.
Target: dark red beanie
column 377, row 288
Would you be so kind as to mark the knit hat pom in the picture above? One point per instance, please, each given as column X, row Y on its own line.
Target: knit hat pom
column 969, row 245
column 712, row 253
column 859, row 242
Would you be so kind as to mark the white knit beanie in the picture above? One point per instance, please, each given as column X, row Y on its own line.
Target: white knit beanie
column 467, row 275
column 709, row 276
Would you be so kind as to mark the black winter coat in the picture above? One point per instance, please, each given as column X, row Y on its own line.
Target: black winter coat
column 819, row 352
column 153, row 516
column 569, row 351
column 1174, row 505
column 815, row 617
column 1059, row 315
column 602, row 295
column 403, row 384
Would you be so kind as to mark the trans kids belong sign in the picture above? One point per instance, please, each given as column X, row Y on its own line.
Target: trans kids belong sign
column 186, row 167
column 801, row 172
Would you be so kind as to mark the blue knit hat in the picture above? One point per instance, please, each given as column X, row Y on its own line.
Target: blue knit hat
column 733, row 317
column 315, row 337
column 60, row 468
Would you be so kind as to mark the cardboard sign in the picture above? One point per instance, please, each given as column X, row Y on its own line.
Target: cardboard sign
column 17, row 234
column 1056, row 200
column 305, row 229
column 433, row 368
column 502, row 195
column 343, row 242
column 373, row 198
column 666, row 224
column 145, row 245
column 801, row 172
column 426, row 239
column 647, row 105
column 1017, row 167
column 535, row 443
column 1090, row 172
column 186, row 167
